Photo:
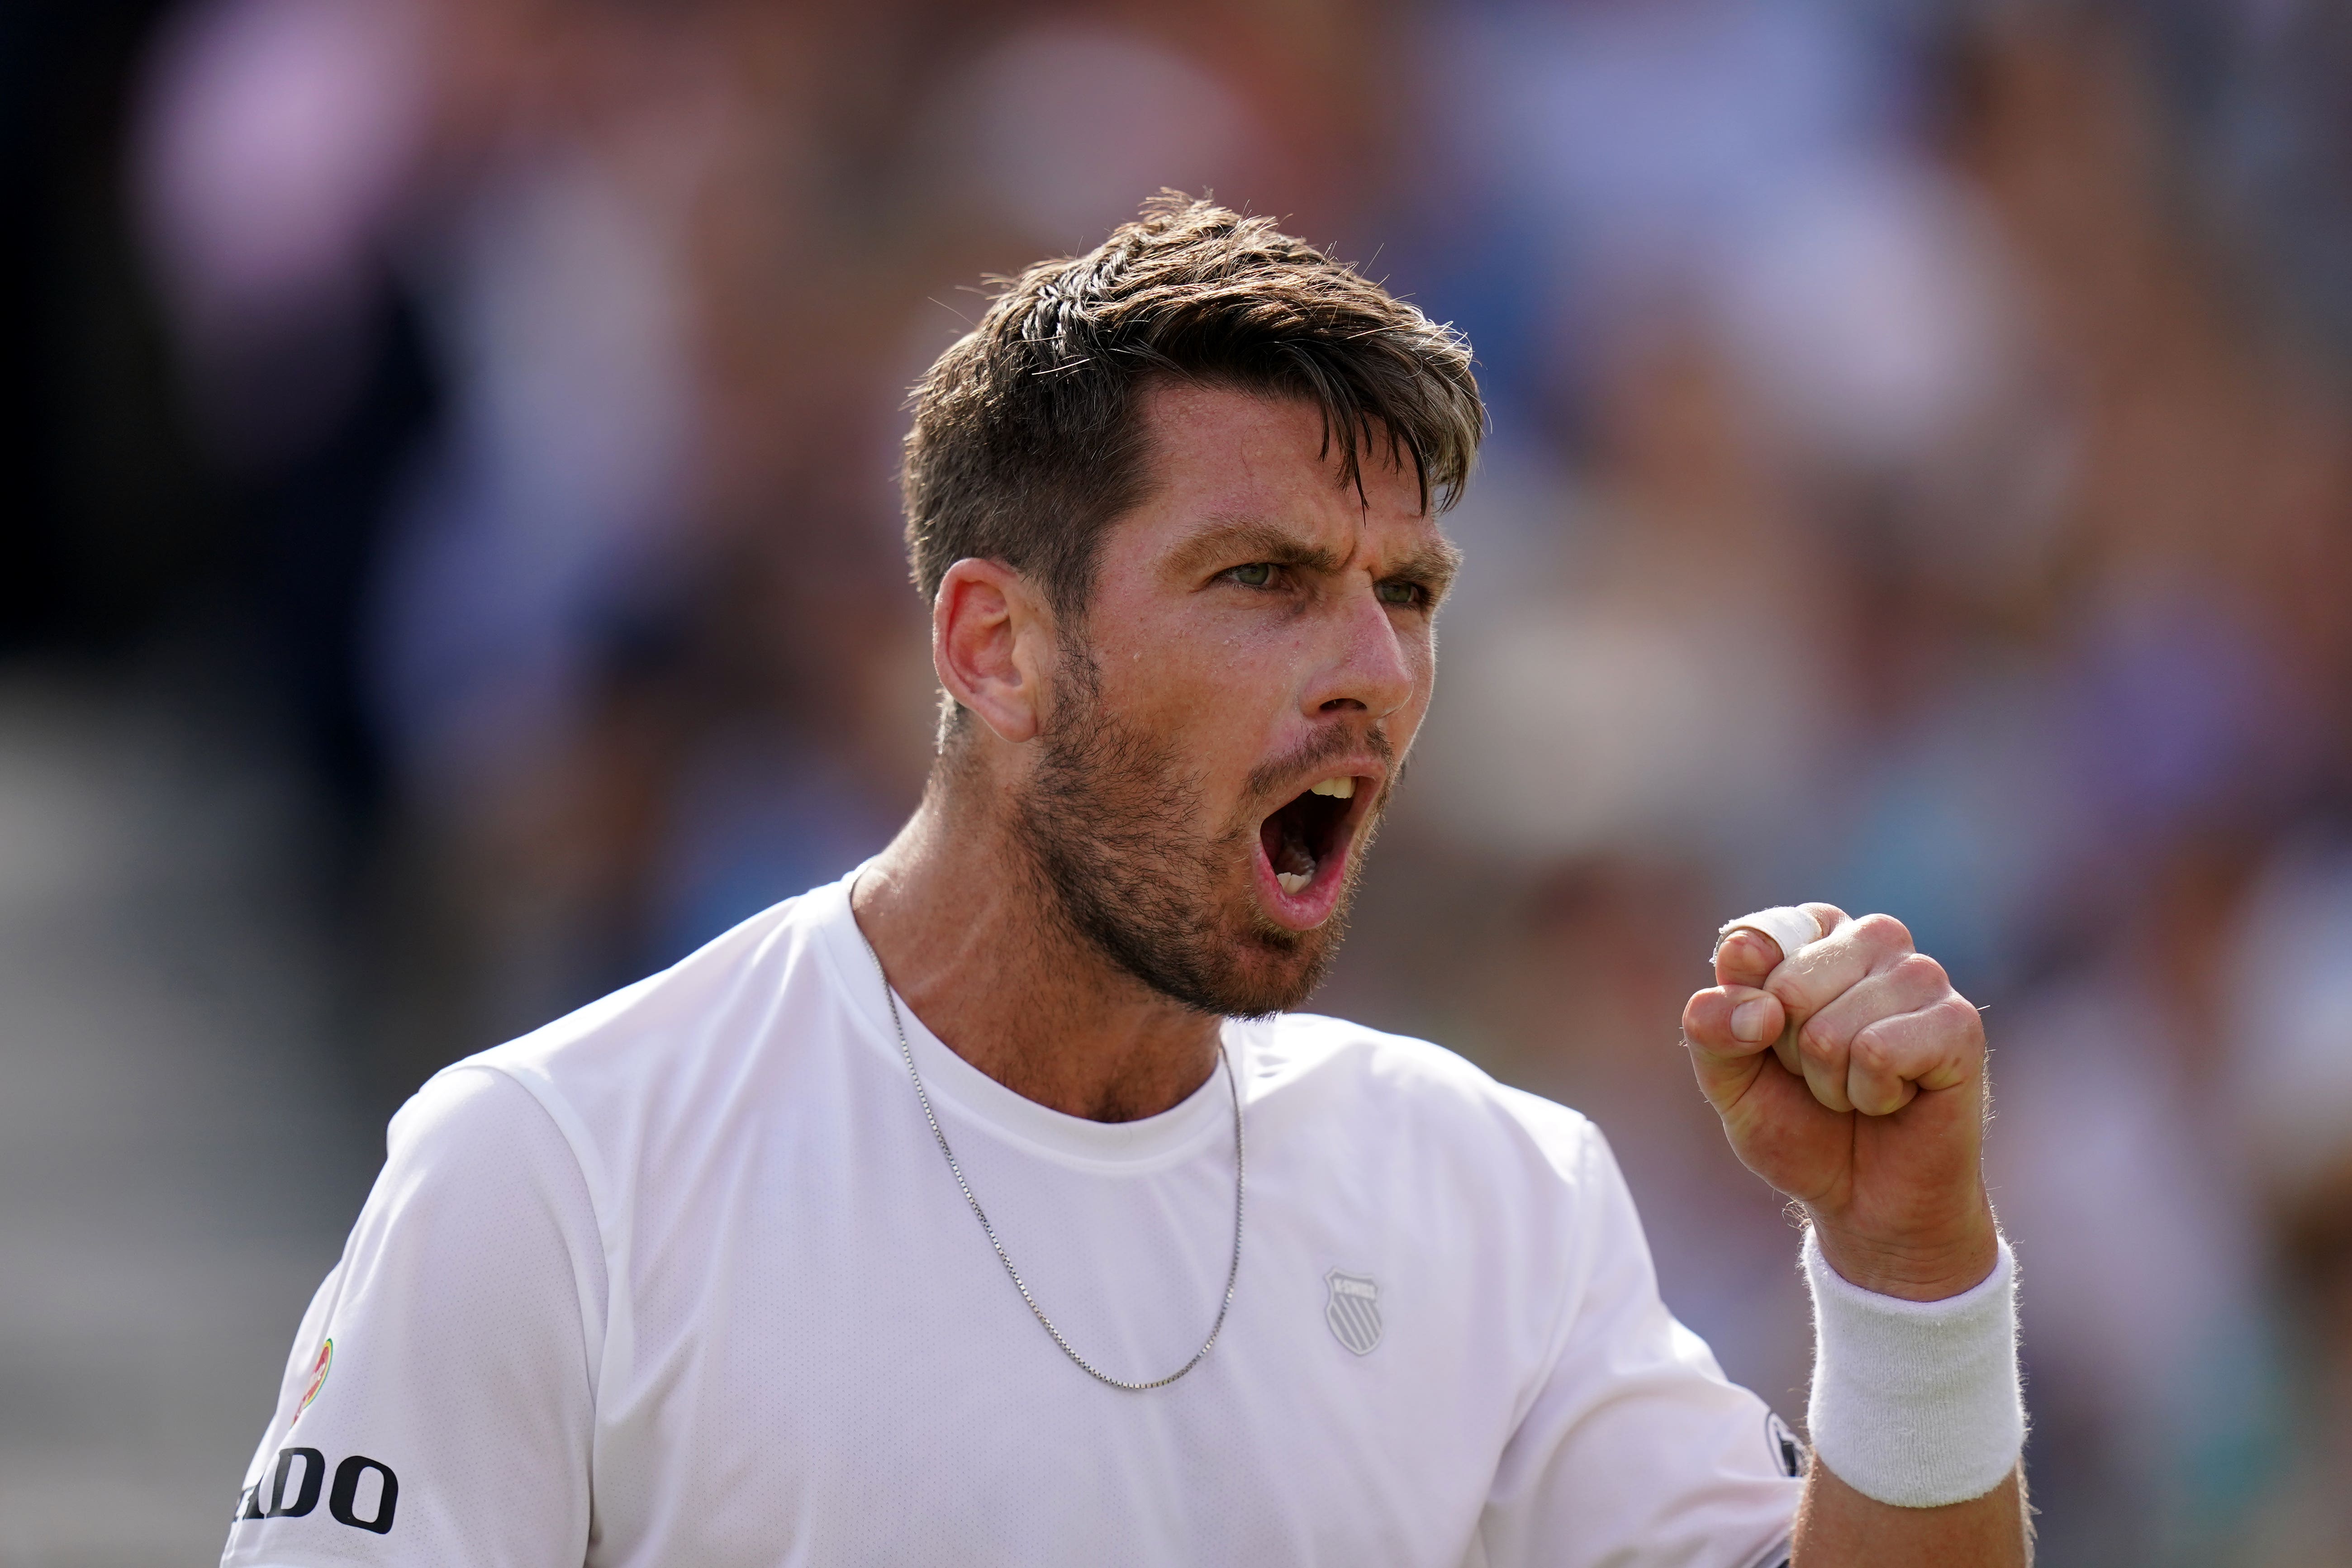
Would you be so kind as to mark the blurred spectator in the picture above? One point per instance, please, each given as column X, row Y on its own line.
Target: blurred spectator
column 2288, row 1003
column 2149, row 1355
column 1658, row 688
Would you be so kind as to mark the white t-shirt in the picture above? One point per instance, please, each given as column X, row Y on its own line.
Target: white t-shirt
column 683, row 1279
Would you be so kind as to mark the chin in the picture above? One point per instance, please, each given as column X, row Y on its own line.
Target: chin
column 1231, row 959
column 1275, row 968
column 1266, row 980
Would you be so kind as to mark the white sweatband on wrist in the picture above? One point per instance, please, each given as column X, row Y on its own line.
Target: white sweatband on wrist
column 1786, row 924
column 1916, row 1403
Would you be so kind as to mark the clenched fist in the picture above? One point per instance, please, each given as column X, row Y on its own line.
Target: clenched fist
column 1850, row 1075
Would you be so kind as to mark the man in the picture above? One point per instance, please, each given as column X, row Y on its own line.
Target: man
column 1069, row 1242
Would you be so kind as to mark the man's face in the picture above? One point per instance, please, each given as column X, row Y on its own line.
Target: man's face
column 1225, row 726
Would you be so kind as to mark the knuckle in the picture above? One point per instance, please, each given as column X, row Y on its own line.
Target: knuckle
column 1818, row 1043
column 1870, row 1054
column 1883, row 931
column 1923, row 971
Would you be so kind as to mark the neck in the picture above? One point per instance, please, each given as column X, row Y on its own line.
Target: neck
column 971, row 942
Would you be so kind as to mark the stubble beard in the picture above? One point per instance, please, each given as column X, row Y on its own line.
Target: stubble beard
column 1107, row 823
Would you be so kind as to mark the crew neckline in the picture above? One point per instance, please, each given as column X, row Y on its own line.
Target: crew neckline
column 959, row 1090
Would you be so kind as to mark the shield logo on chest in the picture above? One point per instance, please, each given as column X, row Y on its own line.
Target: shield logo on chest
column 1353, row 1311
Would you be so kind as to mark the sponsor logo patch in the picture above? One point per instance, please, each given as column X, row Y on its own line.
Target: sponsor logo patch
column 1353, row 1311
column 318, row 1379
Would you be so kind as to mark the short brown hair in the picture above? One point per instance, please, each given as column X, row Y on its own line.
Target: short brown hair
column 1026, row 441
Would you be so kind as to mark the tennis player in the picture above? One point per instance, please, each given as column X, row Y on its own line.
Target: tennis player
column 993, row 1205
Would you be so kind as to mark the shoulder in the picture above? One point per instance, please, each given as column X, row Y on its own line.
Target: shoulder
column 1397, row 1087
column 691, row 1025
column 652, row 1070
column 464, row 1113
column 477, row 1139
column 732, row 979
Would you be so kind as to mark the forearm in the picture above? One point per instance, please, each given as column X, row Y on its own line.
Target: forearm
column 1837, row 1526
column 1917, row 1400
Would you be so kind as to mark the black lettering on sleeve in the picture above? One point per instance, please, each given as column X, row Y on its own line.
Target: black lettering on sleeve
column 343, row 1501
column 314, row 1470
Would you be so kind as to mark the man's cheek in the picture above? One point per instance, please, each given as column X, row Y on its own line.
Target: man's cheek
column 1215, row 711
column 1405, row 723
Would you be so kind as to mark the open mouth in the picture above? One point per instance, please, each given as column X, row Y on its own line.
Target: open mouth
column 1306, row 841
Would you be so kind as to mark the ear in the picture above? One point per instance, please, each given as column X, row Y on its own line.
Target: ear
column 991, row 643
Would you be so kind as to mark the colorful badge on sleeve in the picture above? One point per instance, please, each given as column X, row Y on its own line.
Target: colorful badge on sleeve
column 317, row 1381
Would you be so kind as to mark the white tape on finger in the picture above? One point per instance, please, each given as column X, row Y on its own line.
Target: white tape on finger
column 1790, row 926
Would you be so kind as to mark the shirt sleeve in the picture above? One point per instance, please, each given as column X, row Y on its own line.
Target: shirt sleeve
column 439, row 1403
column 1636, row 1452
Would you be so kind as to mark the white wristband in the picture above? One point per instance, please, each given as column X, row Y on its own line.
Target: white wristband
column 1916, row 1403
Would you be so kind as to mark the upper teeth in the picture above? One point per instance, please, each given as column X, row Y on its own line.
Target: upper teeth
column 1344, row 788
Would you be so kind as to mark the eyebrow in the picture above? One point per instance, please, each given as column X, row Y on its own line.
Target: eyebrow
column 1251, row 539
column 1432, row 565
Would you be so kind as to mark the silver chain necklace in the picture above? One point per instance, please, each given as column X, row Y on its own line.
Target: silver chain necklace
column 1232, row 1273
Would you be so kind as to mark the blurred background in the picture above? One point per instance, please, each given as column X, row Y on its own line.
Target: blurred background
column 449, row 567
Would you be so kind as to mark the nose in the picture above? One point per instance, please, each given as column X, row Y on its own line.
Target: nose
column 1369, row 669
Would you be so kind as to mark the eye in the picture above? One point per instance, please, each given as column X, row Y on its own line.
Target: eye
column 1256, row 575
column 1396, row 590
